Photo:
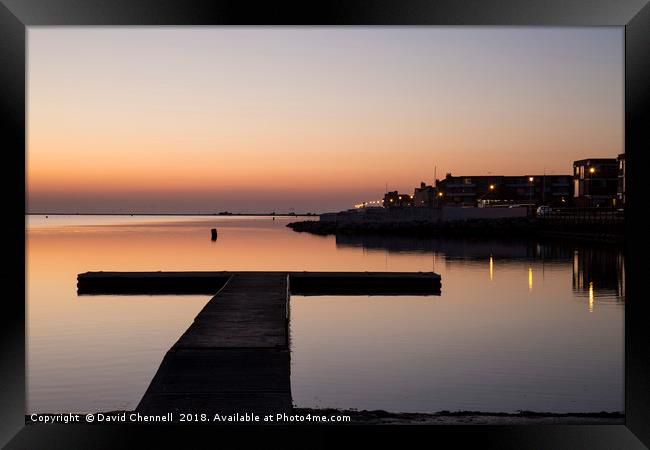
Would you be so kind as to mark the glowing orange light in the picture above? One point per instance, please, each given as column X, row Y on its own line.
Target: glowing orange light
column 491, row 268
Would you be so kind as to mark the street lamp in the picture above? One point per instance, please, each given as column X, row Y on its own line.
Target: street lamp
column 530, row 180
column 439, row 201
column 592, row 170
column 491, row 187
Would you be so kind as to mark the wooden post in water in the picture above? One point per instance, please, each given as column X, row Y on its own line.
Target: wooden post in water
column 214, row 234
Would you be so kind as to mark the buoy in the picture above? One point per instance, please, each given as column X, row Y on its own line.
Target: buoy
column 214, row 234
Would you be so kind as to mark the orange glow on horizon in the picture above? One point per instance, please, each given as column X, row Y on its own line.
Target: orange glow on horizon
column 296, row 113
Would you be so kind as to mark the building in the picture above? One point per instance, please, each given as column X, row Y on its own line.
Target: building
column 505, row 190
column 620, row 189
column 595, row 182
column 557, row 190
column 394, row 199
column 424, row 196
column 463, row 191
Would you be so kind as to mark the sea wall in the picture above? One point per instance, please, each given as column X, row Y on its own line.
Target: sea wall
column 523, row 227
column 429, row 215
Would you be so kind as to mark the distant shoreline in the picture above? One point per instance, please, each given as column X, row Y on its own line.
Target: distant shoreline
column 175, row 214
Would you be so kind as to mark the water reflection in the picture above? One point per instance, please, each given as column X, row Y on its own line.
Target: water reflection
column 598, row 271
column 477, row 346
column 491, row 268
column 466, row 249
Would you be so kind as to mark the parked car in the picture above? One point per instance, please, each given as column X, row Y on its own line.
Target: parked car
column 544, row 211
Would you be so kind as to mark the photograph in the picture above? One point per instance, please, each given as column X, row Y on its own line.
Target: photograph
column 348, row 225
column 324, row 224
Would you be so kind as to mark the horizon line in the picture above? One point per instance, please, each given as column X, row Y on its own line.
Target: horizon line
column 27, row 213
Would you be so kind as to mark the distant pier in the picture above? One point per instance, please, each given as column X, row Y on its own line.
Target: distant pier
column 235, row 356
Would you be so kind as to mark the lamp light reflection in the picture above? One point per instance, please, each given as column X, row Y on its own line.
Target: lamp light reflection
column 491, row 268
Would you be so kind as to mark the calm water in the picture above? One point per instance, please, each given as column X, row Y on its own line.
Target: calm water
column 518, row 326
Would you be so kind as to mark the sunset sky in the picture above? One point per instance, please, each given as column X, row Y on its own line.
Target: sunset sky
column 189, row 119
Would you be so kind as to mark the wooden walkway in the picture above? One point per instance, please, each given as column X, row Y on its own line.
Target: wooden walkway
column 234, row 357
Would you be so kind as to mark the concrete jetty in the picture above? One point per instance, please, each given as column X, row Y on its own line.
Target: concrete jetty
column 234, row 357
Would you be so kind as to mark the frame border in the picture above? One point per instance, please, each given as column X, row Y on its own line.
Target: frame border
column 16, row 15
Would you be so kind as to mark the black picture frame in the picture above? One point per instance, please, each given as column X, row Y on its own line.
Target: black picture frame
column 16, row 15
